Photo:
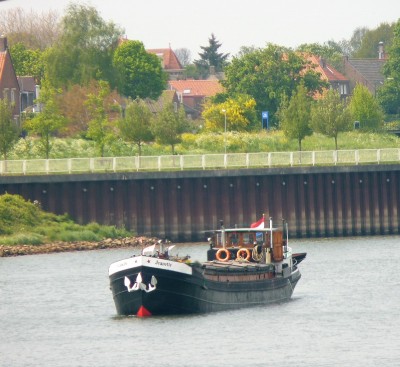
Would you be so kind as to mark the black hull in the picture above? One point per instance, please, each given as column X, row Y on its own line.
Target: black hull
column 196, row 291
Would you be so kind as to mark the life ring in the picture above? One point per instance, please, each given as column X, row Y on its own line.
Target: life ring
column 226, row 255
column 243, row 251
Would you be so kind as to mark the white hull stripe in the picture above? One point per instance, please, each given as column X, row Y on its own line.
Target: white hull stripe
column 151, row 262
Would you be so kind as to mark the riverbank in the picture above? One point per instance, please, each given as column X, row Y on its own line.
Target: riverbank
column 20, row 250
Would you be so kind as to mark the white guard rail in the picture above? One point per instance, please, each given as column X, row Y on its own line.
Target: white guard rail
column 204, row 161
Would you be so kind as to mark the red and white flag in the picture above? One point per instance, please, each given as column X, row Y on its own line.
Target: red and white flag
column 259, row 224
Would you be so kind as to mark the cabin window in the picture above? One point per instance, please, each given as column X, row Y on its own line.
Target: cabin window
column 233, row 239
column 12, row 95
column 248, row 238
column 5, row 93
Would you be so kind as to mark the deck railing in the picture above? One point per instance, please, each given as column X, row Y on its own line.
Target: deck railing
column 201, row 161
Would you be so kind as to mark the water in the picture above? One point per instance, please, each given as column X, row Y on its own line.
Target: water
column 57, row 310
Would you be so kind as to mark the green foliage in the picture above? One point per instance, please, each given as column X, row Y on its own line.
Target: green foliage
column 211, row 57
column 9, row 130
column 135, row 125
column 99, row 127
column 330, row 115
column 139, row 73
column 16, row 213
column 85, row 48
column 368, row 48
column 330, row 51
column 389, row 93
column 365, row 109
column 295, row 118
column 49, row 120
column 169, row 125
column 268, row 75
column 27, row 62
column 24, row 222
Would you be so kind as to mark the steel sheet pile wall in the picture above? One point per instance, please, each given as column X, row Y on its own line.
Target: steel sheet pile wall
column 184, row 205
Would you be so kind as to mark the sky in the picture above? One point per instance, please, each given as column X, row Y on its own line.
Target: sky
column 189, row 24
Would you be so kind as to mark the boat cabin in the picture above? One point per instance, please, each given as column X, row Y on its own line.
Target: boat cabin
column 247, row 240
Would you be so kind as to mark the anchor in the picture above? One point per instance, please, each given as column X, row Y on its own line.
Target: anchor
column 140, row 285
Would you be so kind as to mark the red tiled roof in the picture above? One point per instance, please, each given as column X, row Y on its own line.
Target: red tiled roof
column 2, row 62
column 327, row 71
column 170, row 61
column 205, row 88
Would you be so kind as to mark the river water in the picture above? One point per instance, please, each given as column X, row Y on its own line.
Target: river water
column 57, row 310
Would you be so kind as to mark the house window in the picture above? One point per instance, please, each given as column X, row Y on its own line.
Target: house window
column 12, row 95
column 5, row 93
column 343, row 89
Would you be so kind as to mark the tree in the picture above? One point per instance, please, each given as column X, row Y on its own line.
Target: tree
column 389, row 94
column 330, row 51
column 184, row 56
column 9, row 131
column 330, row 115
column 169, row 125
column 48, row 120
column 36, row 31
column 85, row 49
column 140, row 74
column 74, row 108
column 211, row 57
column 240, row 114
column 352, row 46
column 99, row 127
column 370, row 40
column 268, row 74
column 295, row 118
column 135, row 126
column 27, row 62
column 365, row 108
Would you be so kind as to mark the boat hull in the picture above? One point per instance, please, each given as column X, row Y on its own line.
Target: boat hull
column 146, row 286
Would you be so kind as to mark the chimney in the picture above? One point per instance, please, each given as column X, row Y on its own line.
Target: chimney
column 381, row 51
column 3, row 43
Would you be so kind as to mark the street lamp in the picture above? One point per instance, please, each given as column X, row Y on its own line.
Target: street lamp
column 224, row 112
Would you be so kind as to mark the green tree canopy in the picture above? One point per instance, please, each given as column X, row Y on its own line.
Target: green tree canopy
column 99, row 127
column 27, row 62
column 169, row 125
column 330, row 51
column 135, row 126
column 9, row 130
column 365, row 109
column 211, row 57
column 49, row 120
column 330, row 115
column 85, row 48
column 268, row 74
column 389, row 93
column 370, row 41
column 296, row 117
column 140, row 74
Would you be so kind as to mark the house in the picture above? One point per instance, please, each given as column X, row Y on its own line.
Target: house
column 167, row 96
column 29, row 91
column 336, row 79
column 9, row 87
column 367, row 72
column 193, row 93
column 169, row 62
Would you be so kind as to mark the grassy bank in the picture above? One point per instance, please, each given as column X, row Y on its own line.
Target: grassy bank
column 25, row 223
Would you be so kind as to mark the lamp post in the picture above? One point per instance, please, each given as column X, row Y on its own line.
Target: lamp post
column 224, row 111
